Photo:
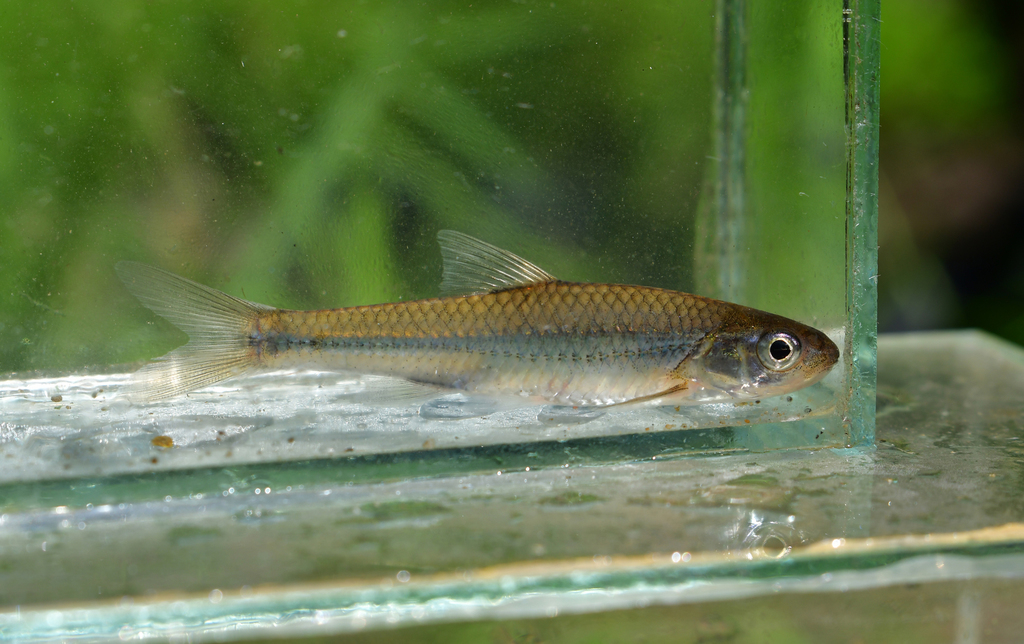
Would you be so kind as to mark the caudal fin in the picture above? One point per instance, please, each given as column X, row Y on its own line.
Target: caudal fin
column 216, row 324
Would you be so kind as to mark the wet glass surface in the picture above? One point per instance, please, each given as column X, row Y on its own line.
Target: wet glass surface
column 297, row 416
column 979, row 610
column 310, row 162
column 504, row 532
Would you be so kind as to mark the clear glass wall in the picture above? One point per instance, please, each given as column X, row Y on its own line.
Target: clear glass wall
column 305, row 156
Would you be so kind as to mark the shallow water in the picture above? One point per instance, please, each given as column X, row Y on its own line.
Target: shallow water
column 299, row 415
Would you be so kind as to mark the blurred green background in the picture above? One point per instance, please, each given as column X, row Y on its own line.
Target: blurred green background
column 305, row 154
column 951, row 198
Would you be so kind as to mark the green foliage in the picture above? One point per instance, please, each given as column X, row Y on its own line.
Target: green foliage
column 941, row 67
column 306, row 154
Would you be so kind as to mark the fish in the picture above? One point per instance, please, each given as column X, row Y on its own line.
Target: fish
column 501, row 326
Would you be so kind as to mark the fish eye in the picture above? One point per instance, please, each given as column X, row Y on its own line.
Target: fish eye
column 778, row 351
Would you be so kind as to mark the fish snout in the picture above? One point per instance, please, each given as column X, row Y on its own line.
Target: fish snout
column 821, row 354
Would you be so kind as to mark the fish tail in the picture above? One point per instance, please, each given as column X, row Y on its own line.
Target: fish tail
column 218, row 326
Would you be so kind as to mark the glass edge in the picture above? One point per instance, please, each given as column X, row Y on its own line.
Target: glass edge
column 531, row 591
column 861, row 39
column 722, row 219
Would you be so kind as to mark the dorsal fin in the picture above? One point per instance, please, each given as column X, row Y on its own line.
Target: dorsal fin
column 472, row 267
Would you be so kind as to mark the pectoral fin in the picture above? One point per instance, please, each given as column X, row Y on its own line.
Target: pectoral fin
column 676, row 389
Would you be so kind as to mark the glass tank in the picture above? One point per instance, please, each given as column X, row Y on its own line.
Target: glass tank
column 309, row 167
column 306, row 156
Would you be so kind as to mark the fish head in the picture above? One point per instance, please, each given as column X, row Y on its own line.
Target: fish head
column 754, row 354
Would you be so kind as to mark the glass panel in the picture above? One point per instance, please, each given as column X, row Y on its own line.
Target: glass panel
column 279, row 160
column 306, row 157
column 504, row 533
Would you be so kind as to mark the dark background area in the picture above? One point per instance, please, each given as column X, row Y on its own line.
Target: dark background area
column 951, row 203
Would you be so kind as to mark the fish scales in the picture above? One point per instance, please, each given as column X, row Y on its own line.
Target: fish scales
column 564, row 341
column 504, row 326
column 557, row 307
